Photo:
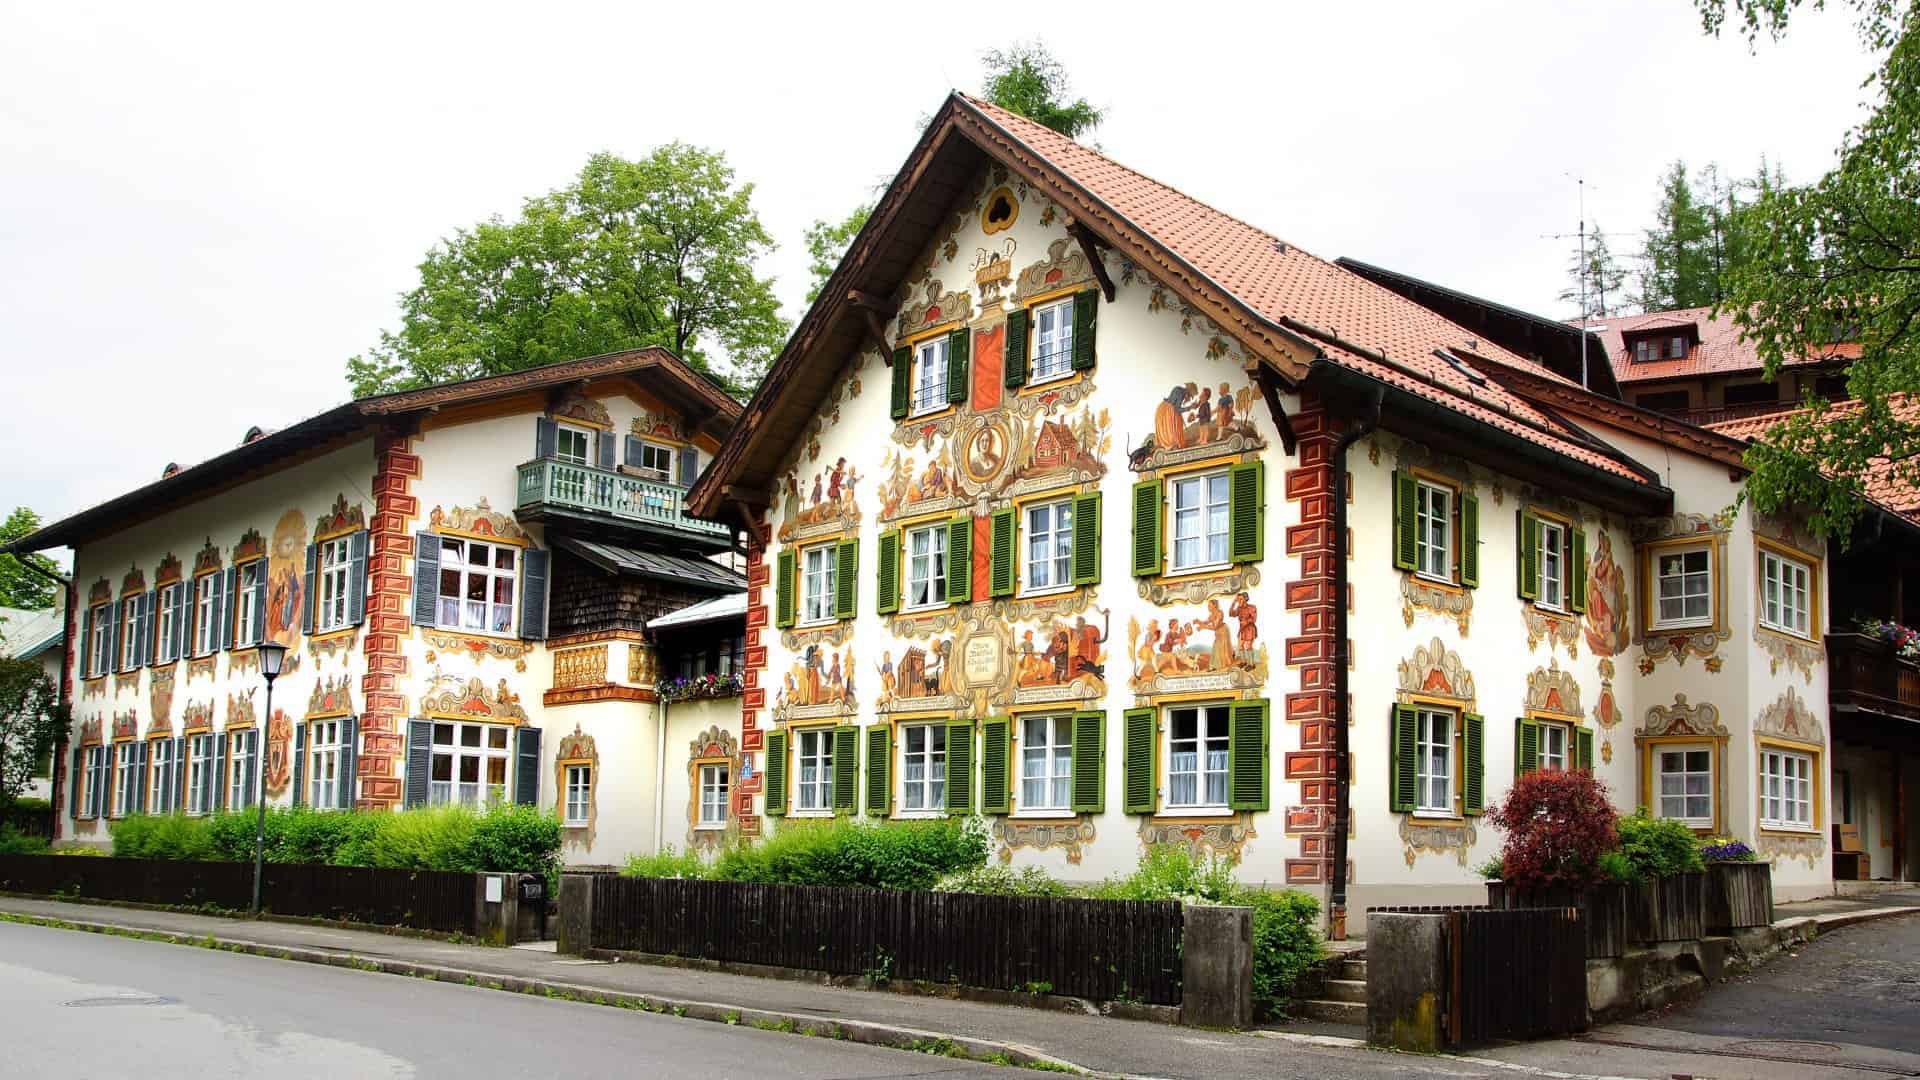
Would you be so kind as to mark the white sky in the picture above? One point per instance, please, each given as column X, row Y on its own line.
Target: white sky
column 204, row 212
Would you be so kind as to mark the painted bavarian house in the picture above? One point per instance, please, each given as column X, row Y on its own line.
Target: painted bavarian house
column 464, row 575
column 1053, row 496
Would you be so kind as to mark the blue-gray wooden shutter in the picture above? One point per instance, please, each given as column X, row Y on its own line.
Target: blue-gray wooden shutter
column 309, row 604
column 77, row 781
column 112, row 640
column 356, row 578
column 260, row 605
column 546, row 436
column 349, row 759
column 632, row 457
column 86, row 642
column 603, row 441
column 687, row 459
column 426, row 578
column 253, row 765
column 149, row 604
column 419, row 761
column 299, row 763
column 219, row 772
column 526, row 771
column 533, row 596
column 140, row 778
column 177, row 774
column 182, row 619
column 102, row 773
column 223, row 609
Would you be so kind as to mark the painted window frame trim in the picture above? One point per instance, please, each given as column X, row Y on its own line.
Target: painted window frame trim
column 698, row 774
column 1816, row 775
column 1016, row 736
column 1763, row 546
column 1649, row 554
column 934, row 523
column 1163, row 747
column 1061, row 297
column 897, row 748
column 831, row 546
column 912, row 344
column 1066, row 495
column 519, row 547
column 1423, row 478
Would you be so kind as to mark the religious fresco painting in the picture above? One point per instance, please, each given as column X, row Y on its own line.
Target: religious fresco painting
column 286, row 579
column 1216, row 647
column 820, row 683
column 1609, row 630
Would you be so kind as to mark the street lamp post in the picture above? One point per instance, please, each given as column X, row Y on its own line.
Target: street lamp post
column 272, row 655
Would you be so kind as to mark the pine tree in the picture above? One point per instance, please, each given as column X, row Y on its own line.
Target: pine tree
column 1677, row 264
column 1603, row 275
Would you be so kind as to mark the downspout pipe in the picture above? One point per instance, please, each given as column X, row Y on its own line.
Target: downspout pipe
column 1362, row 424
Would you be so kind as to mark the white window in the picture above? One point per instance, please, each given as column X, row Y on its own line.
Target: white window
column 206, row 636
column 1677, row 348
column 817, row 585
column 246, row 613
column 1200, row 517
column 476, row 585
column 579, row 793
column 816, row 771
column 1049, row 547
column 1642, row 351
column 1197, row 756
column 163, row 777
column 239, row 765
column 713, row 796
column 1554, row 740
column 100, row 624
column 1433, row 534
column 1684, row 580
column 656, row 461
column 930, row 376
column 1046, row 763
column 324, row 747
column 1784, row 594
column 1053, row 340
column 1552, row 586
column 469, row 764
column 573, row 445
column 333, row 561
column 166, row 625
column 923, row 768
column 1786, row 790
column 129, row 632
column 926, row 566
column 200, row 765
column 125, row 777
column 1685, row 778
column 92, row 778
column 1434, row 762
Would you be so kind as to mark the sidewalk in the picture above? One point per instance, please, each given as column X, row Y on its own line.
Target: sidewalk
column 1103, row 1045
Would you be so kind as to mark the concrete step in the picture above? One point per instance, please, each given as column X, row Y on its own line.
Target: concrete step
column 1352, row 969
column 1345, row 990
column 1335, row 1012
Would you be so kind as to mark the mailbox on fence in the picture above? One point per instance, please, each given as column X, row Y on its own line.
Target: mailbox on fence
column 532, row 888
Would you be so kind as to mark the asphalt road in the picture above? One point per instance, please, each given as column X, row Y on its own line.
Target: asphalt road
column 88, row 1005
column 1860, row 985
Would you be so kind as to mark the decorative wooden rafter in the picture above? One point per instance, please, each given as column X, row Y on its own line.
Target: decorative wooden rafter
column 1265, row 378
column 875, row 312
column 1090, row 247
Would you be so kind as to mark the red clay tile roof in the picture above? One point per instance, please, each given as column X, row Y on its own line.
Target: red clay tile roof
column 1880, row 482
column 1281, row 282
column 1721, row 349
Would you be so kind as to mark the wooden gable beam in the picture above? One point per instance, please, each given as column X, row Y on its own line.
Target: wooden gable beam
column 874, row 313
column 1090, row 247
column 1264, row 377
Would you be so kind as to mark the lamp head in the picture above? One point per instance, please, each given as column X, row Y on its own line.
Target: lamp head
column 272, row 656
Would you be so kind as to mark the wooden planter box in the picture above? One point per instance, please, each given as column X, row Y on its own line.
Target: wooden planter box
column 1739, row 895
column 1667, row 909
column 1603, row 910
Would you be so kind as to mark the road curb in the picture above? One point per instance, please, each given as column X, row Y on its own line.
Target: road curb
column 867, row 1032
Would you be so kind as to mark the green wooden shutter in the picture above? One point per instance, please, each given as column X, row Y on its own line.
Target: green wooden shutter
column 1406, row 520
column 902, row 381
column 960, row 560
column 846, row 580
column 993, row 766
column 1528, row 571
column 959, row 352
column 1469, row 541
column 846, row 769
column 1526, row 746
column 1583, row 743
column 783, row 583
column 1146, row 528
column 774, row 776
column 1019, row 322
column 1402, row 784
column 1247, row 741
column 1089, row 762
column 1247, row 511
column 1473, row 764
column 1139, row 772
column 1001, row 527
column 1086, row 539
column 886, row 574
column 1577, row 580
column 879, row 771
column 1086, row 318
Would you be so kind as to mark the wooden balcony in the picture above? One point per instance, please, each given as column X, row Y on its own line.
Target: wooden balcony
column 1865, row 674
column 611, row 503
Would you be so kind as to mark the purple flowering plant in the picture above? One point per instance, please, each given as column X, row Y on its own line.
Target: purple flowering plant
column 1725, row 849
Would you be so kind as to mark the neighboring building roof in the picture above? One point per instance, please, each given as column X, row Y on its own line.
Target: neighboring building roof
column 27, row 634
column 1880, row 483
column 1722, row 348
column 709, row 408
column 688, row 570
column 718, row 609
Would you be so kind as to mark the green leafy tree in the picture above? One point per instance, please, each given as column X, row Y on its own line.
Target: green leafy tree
column 827, row 243
column 1027, row 80
column 1838, row 260
column 32, row 721
column 19, row 586
column 1604, row 278
column 659, row 251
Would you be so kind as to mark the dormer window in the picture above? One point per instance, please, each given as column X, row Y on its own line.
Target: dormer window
column 1661, row 345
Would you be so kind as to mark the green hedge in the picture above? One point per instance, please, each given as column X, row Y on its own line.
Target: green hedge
column 1658, row 847
column 896, row 855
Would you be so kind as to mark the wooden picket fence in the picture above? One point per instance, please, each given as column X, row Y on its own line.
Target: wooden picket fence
column 1518, row 973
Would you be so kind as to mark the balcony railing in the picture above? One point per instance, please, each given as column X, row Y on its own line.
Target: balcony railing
column 1866, row 673
column 1721, row 413
column 565, row 486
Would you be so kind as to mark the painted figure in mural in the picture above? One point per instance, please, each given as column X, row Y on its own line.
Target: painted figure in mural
column 1144, row 652
column 835, row 478
column 886, row 675
column 286, row 572
column 1216, row 621
column 811, row 685
column 1085, row 659
column 987, row 454
column 1248, row 617
column 277, row 770
column 1606, row 622
column 1223, row 410
column 1169, row 419
column 834, row 681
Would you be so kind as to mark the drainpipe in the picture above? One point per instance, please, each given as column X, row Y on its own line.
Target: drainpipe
column 1363, row 424
column 659, row 756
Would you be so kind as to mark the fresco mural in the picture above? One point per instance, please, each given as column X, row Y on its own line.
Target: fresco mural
column 829, row 504
column 1432, row 670
column 925, row 677
column 1609, row 629
column 820, row 683
column 1215, row 647
column 286, row 580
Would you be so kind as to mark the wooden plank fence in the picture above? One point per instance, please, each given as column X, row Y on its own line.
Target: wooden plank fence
column 1512, row 973
column 1100, row 949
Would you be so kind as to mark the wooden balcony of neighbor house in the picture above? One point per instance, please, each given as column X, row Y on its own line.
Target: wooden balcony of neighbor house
column 611, row 503
column 1868, row 674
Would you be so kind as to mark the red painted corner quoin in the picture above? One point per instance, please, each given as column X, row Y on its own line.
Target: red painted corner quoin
column 396, row 467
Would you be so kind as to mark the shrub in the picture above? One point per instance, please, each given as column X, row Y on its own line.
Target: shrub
column 1557, row 823
column 1659, row 847
column 1286, row 946
column 993, row 879
column 307, row 835
column 431, row 838
column 1616, row 869
column 517, row 839
column 1171, row 872
column 685, row 865
column 1725, row 849
column 15, row 842
column 160, row 836
column 894, row 855
column 1492, row 870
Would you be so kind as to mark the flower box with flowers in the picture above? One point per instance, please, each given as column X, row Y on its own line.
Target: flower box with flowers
column 1739, row 886
column 711, row 685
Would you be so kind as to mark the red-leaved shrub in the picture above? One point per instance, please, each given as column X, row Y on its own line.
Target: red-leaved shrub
column 1557, row 824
